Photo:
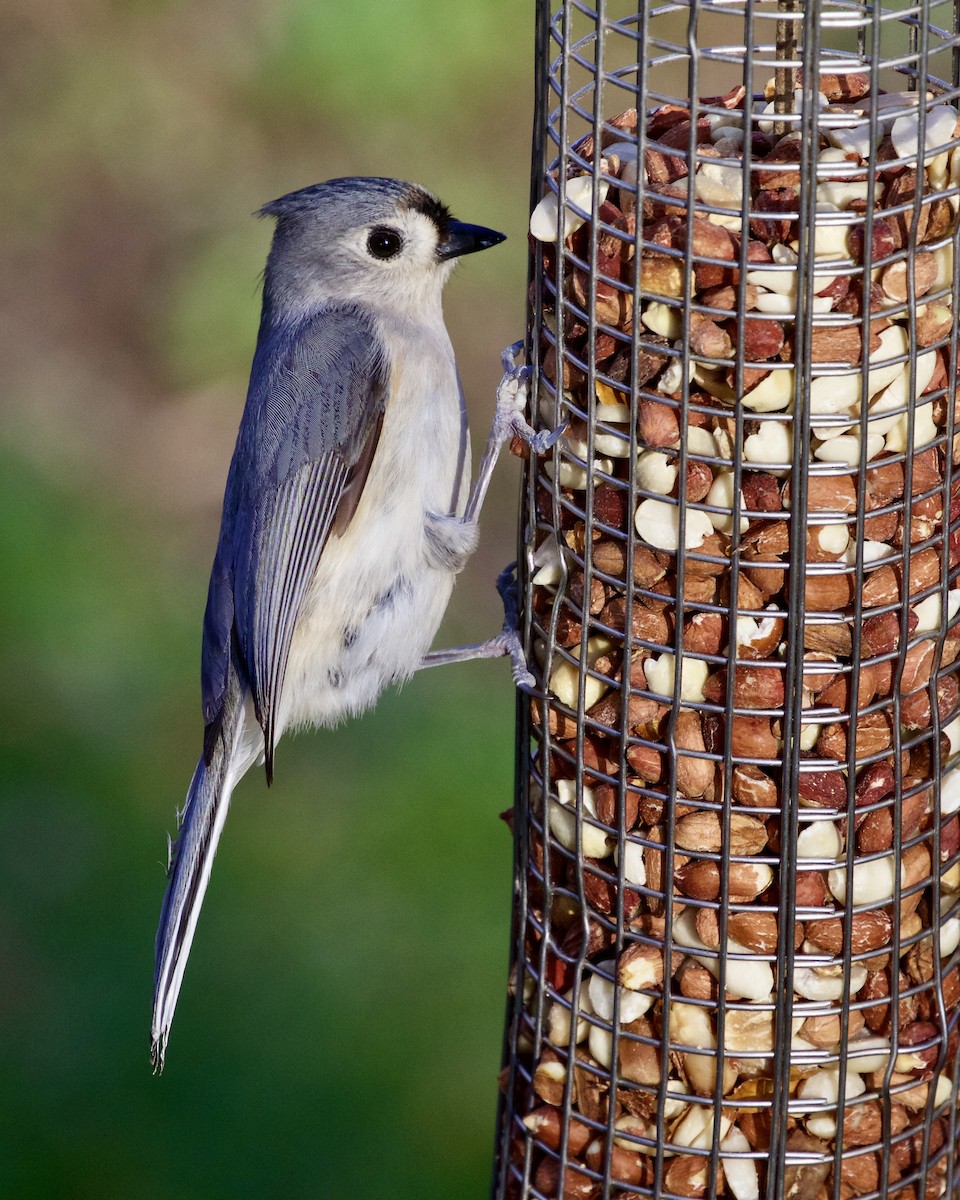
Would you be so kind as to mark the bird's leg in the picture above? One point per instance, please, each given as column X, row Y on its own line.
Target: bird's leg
column 452, row 539
column 506, row 642
column 509, row 421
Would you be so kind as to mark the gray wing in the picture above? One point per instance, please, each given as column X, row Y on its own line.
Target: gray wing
column 314, row 410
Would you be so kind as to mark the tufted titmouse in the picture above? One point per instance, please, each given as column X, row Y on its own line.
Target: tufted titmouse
column 348, row 509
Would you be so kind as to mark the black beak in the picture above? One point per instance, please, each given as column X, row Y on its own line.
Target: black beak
column 459, row 238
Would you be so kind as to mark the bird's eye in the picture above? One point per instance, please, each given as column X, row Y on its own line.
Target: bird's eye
column 384, row 242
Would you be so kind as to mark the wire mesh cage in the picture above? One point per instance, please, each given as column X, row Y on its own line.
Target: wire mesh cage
column 736, row 968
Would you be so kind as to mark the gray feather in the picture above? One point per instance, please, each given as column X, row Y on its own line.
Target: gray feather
column 191, row 858
column 316, row 400
column 343, row 204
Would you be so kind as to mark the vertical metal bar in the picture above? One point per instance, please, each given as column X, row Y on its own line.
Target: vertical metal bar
column 511, row 1074
column 785, row 77
column 789, row 44
column 566, row 17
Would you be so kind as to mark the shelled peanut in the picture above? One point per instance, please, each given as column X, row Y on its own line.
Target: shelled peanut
column 660, row 853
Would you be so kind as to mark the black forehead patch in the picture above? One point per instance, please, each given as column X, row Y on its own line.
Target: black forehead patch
column 423, row 202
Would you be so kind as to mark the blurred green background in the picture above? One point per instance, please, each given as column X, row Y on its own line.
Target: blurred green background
column 339, row 1030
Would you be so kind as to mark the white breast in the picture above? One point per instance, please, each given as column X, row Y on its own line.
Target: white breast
column 376, row 600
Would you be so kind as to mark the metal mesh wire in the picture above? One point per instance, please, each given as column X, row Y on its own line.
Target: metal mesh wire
column 736, row 967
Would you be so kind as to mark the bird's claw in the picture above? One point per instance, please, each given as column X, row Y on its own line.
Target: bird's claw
column 513, row 398
column 522, row 676
column 507, row 591
column 545, row 439
column 509, row 636
column 508, row 357
column 512, row 647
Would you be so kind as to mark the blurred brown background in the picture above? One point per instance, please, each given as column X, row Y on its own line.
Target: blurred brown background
column 339, row 1030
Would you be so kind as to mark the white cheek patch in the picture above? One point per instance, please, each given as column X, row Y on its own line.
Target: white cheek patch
column 421, row 238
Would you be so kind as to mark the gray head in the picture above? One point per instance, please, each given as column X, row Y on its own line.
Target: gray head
column 380, row 241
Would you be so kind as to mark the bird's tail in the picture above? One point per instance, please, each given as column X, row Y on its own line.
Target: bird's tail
column 191, row 861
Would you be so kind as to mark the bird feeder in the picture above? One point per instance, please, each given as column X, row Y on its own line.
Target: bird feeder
column 735, row 964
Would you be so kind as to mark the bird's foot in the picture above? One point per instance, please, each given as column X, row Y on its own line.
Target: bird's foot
column 513, row 404
column 506, row 643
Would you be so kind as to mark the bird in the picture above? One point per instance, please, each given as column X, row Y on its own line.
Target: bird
column 348, row 509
